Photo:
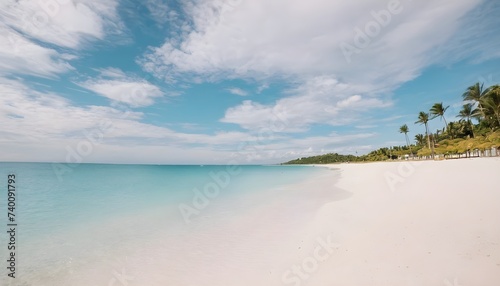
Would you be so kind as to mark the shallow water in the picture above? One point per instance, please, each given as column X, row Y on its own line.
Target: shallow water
column 97, row 224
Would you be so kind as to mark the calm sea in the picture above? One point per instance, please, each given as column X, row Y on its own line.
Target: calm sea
column 80, row 224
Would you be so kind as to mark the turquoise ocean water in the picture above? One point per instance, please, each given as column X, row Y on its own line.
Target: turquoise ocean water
column 78, row 226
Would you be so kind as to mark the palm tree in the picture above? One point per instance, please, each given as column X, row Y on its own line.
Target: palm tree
column 404, row 129
column 438, row 110
column 423, row 118
column 452, row 130
column 475, row 93
column 420, row 139
column 491, row 103
column 467, row 112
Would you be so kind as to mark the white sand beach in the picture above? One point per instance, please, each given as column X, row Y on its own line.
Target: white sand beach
column 413, row 223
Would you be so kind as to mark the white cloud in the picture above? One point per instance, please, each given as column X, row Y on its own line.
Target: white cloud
column 366, row 126
column 262, row 87
column 63, row 23
column 32, row 33
column 132, row 93
column 49, row 123
column 41, row 127
column 117, row 86
column 161, row 11
column 300, row 43
column 27, row 113
column 319, row 100
column 19, row 55
column 112, row 72
column 299, row 38
column 349, row 102
column 478, row 38
column 237, row 91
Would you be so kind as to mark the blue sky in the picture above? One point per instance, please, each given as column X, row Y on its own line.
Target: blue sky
column 219, row 81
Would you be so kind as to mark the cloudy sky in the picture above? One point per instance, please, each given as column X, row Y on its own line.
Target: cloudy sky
column 246, row 81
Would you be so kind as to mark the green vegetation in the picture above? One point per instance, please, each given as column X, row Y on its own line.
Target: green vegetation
column 404, row 129
column 325, row 159
column 457, row 138
column 423, row 118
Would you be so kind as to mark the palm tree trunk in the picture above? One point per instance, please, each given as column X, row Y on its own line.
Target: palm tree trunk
column 408, row 143
column 445, row 124
column 428, row 137
column 431, row 146
column 471, row 128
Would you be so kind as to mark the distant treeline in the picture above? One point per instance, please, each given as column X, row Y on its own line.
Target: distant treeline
column 325, row 159
column 381, row 154
column 455, row 138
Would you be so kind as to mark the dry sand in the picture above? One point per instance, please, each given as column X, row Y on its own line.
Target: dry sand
column 413, row 223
